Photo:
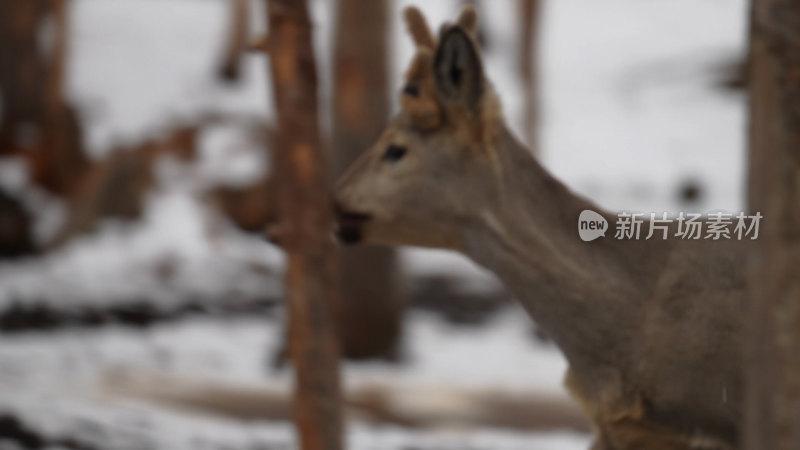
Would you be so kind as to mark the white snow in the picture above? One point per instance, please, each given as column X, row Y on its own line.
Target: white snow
column 630, row 106
column 138, row 66
column 13, row 176
column 120, row 263
column 140, row 427
column 501, row 355
column 230, row 156
column 56, row 380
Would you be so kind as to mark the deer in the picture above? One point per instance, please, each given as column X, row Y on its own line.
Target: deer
column 651, row 329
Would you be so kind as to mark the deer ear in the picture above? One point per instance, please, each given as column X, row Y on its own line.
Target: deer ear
column 418, row 28
column 457, row 68
column 468, row 20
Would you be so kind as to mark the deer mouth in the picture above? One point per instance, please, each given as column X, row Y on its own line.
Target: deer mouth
column 350, row 225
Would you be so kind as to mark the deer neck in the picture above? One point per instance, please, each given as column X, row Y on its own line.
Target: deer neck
column 575, row 291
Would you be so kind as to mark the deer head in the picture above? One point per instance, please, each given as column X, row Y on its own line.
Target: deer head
column 426, row 175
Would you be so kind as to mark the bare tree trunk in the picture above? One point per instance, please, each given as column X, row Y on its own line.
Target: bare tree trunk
column 305, row 212
column 37, row 124
column 63, row 162
column 231, row 66
column 21, row 78
column 773, row 353
column 529, row 63
column 54, row 101
column 371, row 308
column 22, row 74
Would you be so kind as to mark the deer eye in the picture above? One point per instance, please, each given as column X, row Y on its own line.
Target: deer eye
column 394, row 153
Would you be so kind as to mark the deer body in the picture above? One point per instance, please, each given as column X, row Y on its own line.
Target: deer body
column 651, row 328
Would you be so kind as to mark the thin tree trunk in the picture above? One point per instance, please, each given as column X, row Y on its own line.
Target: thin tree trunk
column 371, row 308
column 37, row 122
column 37, row 125
column 63, row 162
column 21, row 78
column 528, row 60
column 303, row 204
column 231, row 65
column 22, row 74
column 773, row 353
column 54, row 102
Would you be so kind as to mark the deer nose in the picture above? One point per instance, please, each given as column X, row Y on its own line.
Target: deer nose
column 349, row 224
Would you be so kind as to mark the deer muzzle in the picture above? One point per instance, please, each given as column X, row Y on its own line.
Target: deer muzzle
column 350, row 225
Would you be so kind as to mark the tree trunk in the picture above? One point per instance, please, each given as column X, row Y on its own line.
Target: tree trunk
column 22, row 73
column 305, row 212
column 37, row 125
column 62, row 162
column 230, row 68
column 21, row 107
column 773, row 353
column 528, row 61
column 371, row 308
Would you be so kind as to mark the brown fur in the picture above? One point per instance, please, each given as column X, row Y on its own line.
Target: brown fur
column 468, row 20
column 423, row 109
column 419, row 29
column 651, row 328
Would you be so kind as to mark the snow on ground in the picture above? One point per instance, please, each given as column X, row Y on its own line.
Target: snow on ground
column 501, row 355
column 173, row 256
column 630, row 110
column 180, row 251
column 137, row 427
column 55, row 379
